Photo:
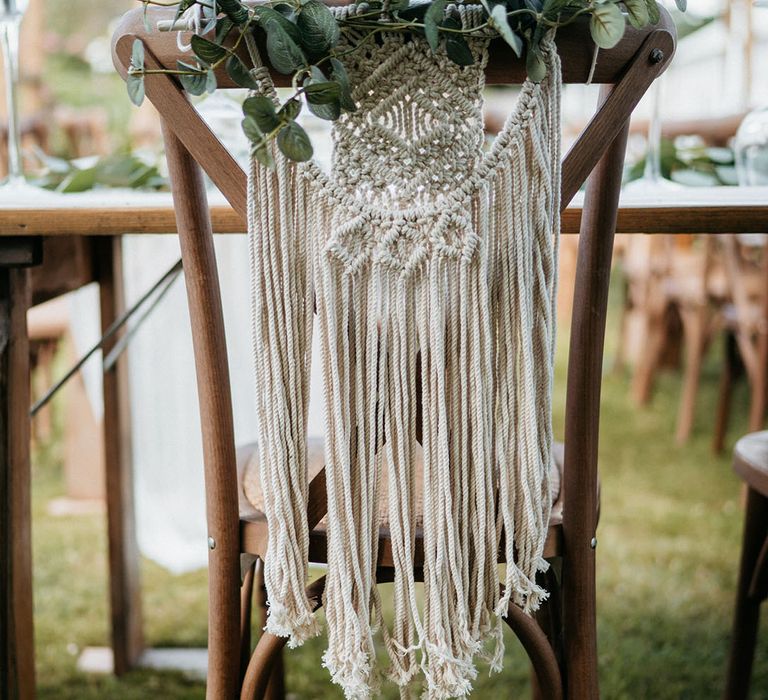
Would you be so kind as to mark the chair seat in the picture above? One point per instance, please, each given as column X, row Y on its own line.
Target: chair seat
column 750, row 460
column 253, row 520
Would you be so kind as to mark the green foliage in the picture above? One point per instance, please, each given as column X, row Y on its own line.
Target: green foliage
column 302, row 38
column 693, row 165
column 118, row 170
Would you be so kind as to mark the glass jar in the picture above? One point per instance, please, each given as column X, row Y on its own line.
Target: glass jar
column 752, row 149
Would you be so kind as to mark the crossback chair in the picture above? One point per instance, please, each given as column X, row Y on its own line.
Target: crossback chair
column 564, row 658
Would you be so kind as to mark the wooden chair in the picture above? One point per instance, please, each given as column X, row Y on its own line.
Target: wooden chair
column 676, row 283
column 564, row 664
column 750, row 462
column 745, row 326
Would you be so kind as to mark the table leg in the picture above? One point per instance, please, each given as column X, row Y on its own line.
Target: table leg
column 17, row 661
column 124, row 581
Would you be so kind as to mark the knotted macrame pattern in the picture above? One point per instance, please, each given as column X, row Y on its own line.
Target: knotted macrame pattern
column 427, row 264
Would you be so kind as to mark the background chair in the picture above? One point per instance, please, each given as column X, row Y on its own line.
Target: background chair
column 750, row 462
column 565, row 661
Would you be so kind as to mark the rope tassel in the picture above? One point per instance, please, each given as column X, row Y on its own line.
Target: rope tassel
column 428, row 269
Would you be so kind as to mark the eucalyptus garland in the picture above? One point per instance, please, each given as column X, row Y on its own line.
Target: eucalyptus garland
column 302, row 39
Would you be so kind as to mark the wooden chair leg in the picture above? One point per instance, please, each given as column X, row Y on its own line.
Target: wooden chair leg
column 258, row 675
column 727, row 377
column 124, row 569
column 220, row 462
column 693, row 329
column 585, row 363
column 747, row 612
column 548, row 681
column 648, row 363
column 276, row 686
column 246, row 600
column 550, row 618
column 17, row 649
column 759, row 385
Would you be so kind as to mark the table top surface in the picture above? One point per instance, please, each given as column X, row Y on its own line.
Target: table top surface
column 111, row 212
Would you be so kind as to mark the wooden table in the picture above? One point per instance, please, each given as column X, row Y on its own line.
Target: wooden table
column 79, row 238
column 688, row 210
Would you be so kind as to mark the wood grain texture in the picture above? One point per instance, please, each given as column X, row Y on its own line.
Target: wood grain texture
column 220, row 464
column 67, row 265
column 649, row 61
column 582, row 418
column 17, row 665
column 709, row 210
column 109, row 219
column 124, row 578
column 195, row 135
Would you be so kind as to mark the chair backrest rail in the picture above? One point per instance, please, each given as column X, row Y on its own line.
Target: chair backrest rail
column 166, row 94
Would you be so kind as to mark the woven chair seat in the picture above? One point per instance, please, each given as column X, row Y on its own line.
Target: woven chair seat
column 251, row 483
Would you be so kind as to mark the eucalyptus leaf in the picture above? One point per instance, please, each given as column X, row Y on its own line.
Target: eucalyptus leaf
column 432, row 19
column 223, row 27
column 294, row 142
column 78, row 181
column 135, row 86
column 694, row 178
column 727, row 174
column 286, row 10
column 653, row 11
column 206, row 50
column 235, row 11
column 721, row 156
column 210, row 81
column 262, row 110
column 210, row 13
column 289, row 111
column 607, row 25
column 323, row 96
column 268, row 16
column 637, row 13
column 552, row 8
column 284, row 54
column 535, row 65
column 322, row 93
column 240, row 74
column 339, row 74
column 318, row 29
column 501, row 24
column 193, row 84
column 263, row 154
column 330, row 111
column 458, row 50
column 251, row 130
column 137, row 54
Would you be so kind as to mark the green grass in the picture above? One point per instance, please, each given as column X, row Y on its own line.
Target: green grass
column 669, row 539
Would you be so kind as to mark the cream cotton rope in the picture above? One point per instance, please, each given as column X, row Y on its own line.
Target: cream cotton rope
column 426, row 265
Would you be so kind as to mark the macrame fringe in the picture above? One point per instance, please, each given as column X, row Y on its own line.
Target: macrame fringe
column 457, row 301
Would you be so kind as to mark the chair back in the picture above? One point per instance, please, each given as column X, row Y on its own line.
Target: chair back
column 597, row 156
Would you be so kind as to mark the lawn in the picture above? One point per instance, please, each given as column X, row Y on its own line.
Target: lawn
column 668, row 546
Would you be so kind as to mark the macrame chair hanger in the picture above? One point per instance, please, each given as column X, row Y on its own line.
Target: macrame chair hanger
column 636, row 62
column 627, row 72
